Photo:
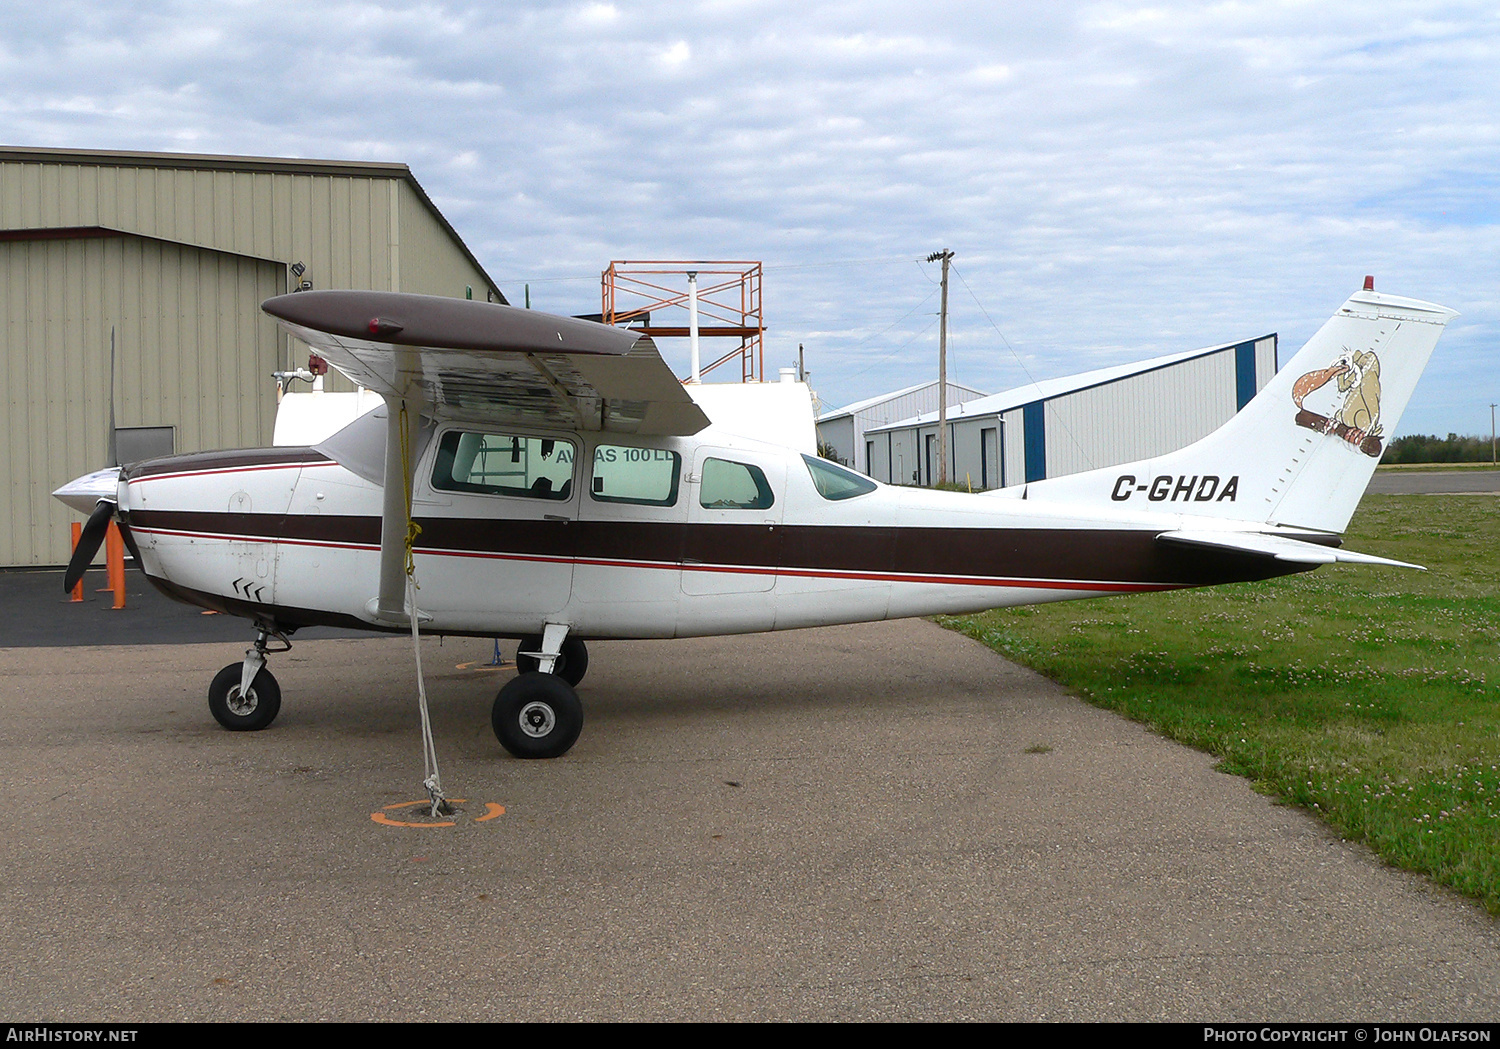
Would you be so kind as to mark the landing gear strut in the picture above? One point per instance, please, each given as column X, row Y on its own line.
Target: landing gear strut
column 244, row 697
column 538, row 715
column 572, row 658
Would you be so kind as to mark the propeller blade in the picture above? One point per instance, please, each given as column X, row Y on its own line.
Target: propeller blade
column 88, row 544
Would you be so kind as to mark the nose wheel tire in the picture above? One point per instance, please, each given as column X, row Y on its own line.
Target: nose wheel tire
column 244, row 713
column 572, row 661
column 537, row 716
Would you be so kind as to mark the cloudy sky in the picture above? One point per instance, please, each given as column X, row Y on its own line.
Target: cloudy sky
column 1117, row 180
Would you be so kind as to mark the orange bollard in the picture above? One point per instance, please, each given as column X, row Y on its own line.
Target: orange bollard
column 77, row 587
column 114, row 557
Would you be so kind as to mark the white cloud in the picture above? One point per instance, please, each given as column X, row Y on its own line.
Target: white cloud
column 595, row 17
column 675, row 56
column 1117, row 179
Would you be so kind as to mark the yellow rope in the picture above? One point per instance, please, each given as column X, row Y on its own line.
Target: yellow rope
column 412, row 528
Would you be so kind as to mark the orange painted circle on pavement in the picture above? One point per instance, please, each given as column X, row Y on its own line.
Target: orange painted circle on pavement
column 491, row 810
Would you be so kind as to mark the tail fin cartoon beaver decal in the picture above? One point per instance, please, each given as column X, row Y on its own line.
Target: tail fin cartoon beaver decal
column 1347, row 387
column 1357, row 418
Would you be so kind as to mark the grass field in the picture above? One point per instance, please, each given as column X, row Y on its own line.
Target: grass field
column 1369, row 695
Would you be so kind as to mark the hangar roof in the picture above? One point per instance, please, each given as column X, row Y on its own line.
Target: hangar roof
column 223, row 162
column 870, row 402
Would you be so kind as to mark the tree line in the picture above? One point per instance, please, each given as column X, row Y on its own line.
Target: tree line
column 1429, row 448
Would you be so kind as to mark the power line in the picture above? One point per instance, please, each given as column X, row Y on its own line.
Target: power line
column 1086, row 457
column 898, row 349
column 1024, row 370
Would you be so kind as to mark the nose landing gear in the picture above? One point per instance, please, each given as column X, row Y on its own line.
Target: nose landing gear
column 244, row 697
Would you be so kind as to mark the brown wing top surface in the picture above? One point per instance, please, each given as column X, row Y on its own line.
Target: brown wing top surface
column 483, row 362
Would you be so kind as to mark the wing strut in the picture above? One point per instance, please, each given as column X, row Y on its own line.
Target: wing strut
column 395, row 511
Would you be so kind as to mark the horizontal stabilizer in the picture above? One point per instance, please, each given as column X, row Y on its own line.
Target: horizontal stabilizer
column 1280, row 547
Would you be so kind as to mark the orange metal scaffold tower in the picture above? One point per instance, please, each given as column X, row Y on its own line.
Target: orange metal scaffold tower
column 729, row 305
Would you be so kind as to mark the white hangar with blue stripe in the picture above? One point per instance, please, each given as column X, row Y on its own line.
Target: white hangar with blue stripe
column 1079, row 422
column 844, row 430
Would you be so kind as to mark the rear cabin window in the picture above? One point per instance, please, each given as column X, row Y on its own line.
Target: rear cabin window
column 834, row 482
column 504, row 464
column 644, row 476
column 733, row 486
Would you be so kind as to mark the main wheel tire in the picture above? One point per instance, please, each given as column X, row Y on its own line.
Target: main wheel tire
column 572, row 662
column 537, row 716
column 248, row 713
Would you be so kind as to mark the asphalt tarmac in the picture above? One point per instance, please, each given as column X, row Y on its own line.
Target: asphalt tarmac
column 36, row 611
column 882, row 822
column 1435, row 482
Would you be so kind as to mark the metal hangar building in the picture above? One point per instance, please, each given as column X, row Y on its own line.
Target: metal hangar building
column 1079, row 422
column 172, row 254
column 844, row 430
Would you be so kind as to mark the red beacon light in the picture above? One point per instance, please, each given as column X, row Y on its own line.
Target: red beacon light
column 1369, row 282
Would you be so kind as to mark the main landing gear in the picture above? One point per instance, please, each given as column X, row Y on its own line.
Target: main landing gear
column 538, row 715
column 572, row 658
column 244, row 697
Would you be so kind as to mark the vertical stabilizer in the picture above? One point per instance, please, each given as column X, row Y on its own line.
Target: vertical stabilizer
column 1301, row 453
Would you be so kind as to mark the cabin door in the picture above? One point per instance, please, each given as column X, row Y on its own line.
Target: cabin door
column 499, row 520
column 732, row 544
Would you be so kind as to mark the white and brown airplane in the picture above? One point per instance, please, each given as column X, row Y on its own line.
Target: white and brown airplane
column 556, row 483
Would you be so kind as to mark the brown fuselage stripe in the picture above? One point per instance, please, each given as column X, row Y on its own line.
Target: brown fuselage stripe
column 1089, row 559
column 219, row 462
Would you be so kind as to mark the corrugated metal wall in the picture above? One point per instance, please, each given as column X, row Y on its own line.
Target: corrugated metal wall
column 193, row 351
column 339, row 226
column 347, row 227
column 1119, row 421
column 1139, row 416
column 1013, row 423
column 846, row 433
column 177, row 252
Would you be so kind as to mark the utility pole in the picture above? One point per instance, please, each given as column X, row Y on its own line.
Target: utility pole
column 945, row 255
column 1492, row 435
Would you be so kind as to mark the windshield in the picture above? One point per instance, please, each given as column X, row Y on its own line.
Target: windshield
column 835, row 482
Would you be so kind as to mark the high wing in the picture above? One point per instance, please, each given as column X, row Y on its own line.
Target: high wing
column 483, row 362
column 1278, row 547
column 479, row 362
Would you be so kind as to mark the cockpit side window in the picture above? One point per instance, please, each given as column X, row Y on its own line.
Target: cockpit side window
column 728, row 485
column 504, row 464
column 835, row 482
column 643, row 476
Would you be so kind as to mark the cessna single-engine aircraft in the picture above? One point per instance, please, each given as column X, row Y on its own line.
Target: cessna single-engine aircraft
column 549, row 479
